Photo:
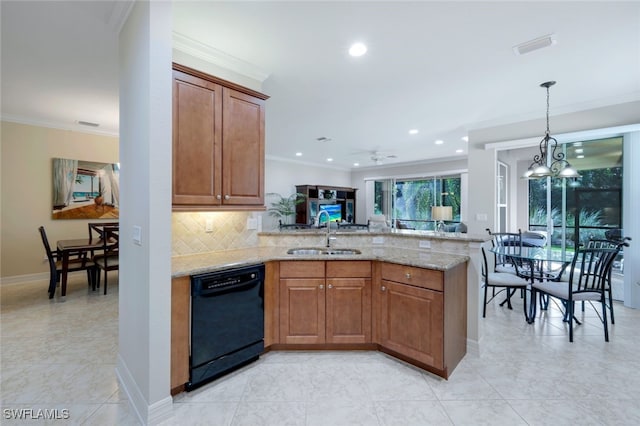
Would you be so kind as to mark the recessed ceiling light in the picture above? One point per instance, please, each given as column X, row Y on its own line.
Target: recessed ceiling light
column 414, row 131
column 439, row 142
column 357, row 49
column 580, row 156
column 459, row 151
column 298, row 154
column 356, row 164
column 329, row 159
column 465, row 138
column 579, row 151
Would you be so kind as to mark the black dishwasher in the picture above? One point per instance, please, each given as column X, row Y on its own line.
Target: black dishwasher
column 227, row 322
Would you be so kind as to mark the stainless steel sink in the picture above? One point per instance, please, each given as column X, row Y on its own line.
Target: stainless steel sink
column 307, row 251
column 322, row 251
column 343, row 251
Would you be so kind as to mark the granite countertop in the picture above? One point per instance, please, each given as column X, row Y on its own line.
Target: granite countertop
column 220, row 260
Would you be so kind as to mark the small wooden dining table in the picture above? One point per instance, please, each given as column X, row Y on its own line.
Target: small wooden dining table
column 72, row 247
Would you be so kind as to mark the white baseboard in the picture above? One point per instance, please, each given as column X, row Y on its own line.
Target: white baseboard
column 19, row 279
column 473, row 347
column 147, row 414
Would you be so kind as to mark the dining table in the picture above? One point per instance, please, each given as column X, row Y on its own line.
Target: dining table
column 535, row 263
column 77, row 246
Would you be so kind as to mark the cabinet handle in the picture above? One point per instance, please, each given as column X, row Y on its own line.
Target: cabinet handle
column 218, row 197
column 226, row 197
column 407, row 276
column 321, row 286
column 330, row 286
column 383, row 288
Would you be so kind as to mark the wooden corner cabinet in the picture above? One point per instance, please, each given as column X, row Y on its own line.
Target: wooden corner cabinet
column 218, row 143
column 316, row 195
column 422, row 315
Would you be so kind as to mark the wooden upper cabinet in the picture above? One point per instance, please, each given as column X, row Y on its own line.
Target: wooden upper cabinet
column 197, row 134
column 243, row 148
column 218, row 143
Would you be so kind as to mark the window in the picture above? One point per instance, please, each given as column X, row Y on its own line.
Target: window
column 407, row 202
column 586, row 207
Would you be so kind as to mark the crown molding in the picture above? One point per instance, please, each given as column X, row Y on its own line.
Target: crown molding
column 55, row 125
column 217, row 57
column 119, row 14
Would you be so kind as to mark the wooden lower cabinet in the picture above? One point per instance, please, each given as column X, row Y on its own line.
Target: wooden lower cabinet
column 180, row 305
column 411, row 321
column 331, row 304
column 421, row 314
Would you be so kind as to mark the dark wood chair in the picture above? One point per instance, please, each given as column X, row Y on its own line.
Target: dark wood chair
column 77, row 262
column 293, row 225
column 108, row 258
column 353, row 226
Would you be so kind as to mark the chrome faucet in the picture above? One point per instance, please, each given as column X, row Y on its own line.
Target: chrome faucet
column 329, row 237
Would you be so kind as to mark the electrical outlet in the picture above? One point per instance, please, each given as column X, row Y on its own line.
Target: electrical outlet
column 425, row 244
column 208, row 227
column 252, row 223
column 378, row 240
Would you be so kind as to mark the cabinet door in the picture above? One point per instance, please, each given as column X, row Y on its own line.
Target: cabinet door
column 243, row 149
column 302, row 310
column 412, row 322
column 348, row 304
column 197, row 133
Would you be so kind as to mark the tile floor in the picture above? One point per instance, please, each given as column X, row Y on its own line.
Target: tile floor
column 61, row 355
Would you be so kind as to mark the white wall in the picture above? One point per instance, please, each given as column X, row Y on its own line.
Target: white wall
column 143, row 364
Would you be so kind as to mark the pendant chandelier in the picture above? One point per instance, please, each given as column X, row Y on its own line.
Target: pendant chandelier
column 549, row 162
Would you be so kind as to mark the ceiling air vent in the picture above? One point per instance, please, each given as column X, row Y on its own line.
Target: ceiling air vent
column 88, row 123
column 535, row 44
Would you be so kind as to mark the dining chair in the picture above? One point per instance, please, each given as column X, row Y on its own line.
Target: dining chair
column 77, row 262
column 504, row 281
column 353, row 226
column 608, row 243
column 587, row 282
column 108, row 259
column 507, row 239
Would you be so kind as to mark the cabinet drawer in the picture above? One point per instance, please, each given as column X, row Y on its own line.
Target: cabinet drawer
column 302, row 269
column 348, row 269
column 419, row 277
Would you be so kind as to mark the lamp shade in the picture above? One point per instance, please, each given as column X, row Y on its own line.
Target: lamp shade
column 441, row 213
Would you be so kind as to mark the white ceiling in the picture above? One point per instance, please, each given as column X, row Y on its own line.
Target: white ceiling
column 441, row 67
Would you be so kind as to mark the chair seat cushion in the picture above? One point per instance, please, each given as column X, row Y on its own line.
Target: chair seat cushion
column 506, row 269
column 111, row 261
column 560, row 289
column 507, row 280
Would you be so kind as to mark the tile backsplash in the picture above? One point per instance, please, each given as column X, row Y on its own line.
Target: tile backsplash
column 229, row 231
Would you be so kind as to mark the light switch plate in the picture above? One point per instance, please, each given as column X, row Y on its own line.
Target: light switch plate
column 208, row 227
column 252, row 223
column 378, row 240
column 137, row 235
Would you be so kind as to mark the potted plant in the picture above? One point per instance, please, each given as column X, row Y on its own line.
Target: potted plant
column 285, row 207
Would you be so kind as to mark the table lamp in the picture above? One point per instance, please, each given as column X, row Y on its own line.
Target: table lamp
column 440, row 214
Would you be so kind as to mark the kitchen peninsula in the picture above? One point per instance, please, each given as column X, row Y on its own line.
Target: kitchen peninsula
column 403, row 293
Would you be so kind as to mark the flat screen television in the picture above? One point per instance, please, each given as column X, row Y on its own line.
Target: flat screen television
column 334, row 210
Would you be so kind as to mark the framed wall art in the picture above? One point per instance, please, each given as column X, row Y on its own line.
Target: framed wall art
column 85, row 189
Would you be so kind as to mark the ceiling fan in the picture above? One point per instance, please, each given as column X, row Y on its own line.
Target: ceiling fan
column 378, row 157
